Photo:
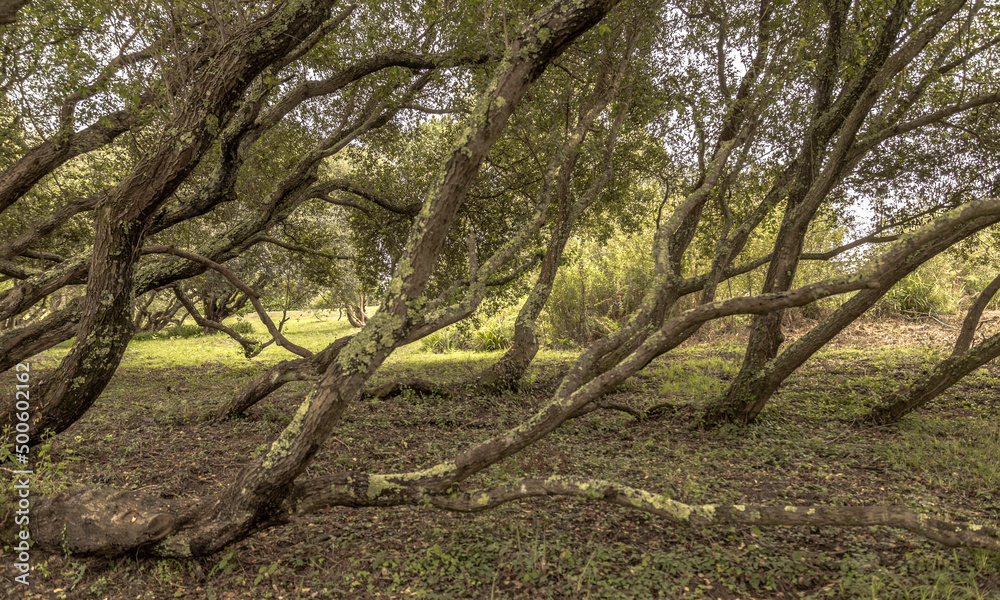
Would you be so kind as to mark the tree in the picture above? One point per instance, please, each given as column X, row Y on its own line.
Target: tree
column 796, row 99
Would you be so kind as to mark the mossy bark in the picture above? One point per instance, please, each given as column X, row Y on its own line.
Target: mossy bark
column 743, row 402
column 122, row 217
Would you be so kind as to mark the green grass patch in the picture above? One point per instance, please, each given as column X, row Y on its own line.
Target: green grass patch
column 152, row 429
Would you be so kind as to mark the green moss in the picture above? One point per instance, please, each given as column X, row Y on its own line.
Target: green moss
column 175, row 545
column 378, row 484
column 436, row 471
column 212, row 125
column 380, row 332
column 280, row 446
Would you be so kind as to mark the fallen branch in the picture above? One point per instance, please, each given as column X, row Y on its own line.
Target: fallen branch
column 101, row 520
column 357, row 489
column 637, row 414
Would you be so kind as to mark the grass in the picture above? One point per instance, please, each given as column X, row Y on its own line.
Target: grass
column 151, row 430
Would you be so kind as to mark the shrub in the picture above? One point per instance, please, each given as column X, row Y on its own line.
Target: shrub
column 495, row 333
column 594, row 295
column 491, row 334
column 449, row 339
column 241, row 327
column 931, row 289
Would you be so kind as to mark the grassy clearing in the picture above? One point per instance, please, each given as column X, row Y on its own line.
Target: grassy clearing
column 151, row 430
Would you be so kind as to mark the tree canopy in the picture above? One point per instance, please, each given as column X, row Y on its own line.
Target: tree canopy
column 429, row 155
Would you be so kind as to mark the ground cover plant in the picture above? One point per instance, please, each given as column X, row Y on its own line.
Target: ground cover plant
column 615, row 178
column 152, row 432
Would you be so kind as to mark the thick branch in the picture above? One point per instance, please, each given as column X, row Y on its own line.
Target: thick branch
column 357, row 489
column 973, row 316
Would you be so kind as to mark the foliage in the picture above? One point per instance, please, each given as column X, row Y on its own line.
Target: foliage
column 449, row 339
column 601, row 284
column 934, row 288
column 488, row 334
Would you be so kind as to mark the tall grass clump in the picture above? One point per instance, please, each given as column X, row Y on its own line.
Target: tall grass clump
column 494, row 333
column 603, row 283
column 172, row 332
column 449, row 339
column 488, row 334
column 934, row 288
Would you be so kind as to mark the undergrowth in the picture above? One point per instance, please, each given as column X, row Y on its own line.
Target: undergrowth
column 152, row 430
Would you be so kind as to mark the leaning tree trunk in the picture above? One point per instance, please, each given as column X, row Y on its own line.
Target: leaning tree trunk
column 257, row 496
column 508, row 371
column 902, row 259
column 121, row 219
column 963, row 360
column 828, row 152
column 105, row 327
column 946, row 374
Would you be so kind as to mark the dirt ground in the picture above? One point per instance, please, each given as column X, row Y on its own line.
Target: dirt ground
column 152, row 431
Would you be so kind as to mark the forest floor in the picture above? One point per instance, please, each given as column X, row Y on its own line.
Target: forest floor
column 153, row 430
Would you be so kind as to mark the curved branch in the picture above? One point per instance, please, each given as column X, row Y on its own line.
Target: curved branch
column 250, row 293
column 297, row 248
column 251, row 348
column 344, row 185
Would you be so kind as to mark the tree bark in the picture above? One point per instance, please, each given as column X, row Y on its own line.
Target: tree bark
column 963, row 360
column 122, row 217
column 743, row 403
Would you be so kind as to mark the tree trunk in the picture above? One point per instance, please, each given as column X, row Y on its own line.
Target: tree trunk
column 104, row 331
column 355, row 315
column 747, row 397
column 508, row 371
column 963, row 360
column 121, row 219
